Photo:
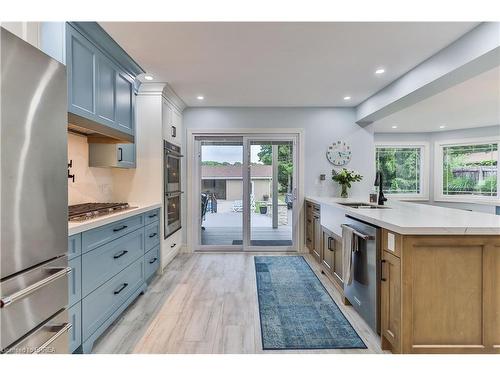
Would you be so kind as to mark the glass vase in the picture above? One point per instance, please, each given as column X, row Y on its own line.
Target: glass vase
column 344, row 193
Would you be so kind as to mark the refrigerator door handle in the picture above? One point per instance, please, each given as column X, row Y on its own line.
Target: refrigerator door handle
column 6, row 301
column 64, row 328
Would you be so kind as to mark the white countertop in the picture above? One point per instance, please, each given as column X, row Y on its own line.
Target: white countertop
column 419, row 218
column 75, row 227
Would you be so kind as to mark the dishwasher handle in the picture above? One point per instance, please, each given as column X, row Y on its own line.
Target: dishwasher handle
column 363, row 236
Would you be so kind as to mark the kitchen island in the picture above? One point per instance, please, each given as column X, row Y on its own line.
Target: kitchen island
column 439, row 270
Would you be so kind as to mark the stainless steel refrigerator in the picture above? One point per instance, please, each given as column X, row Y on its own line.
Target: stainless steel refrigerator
column 34, row 200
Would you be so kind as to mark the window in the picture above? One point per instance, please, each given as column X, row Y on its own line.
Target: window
column 468, row 171
column 404, row 169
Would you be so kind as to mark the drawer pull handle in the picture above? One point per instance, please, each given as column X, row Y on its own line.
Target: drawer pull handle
column 63, row 329
column 152, row 235
column 330, row 243
column 382, row 278
column 152, row 216
column 120, row 254
column 16, row 296
column 121, row 228
column 117, row 291
column 153, row 260
column 173, row 245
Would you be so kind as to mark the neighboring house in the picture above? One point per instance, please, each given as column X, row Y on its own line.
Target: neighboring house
column 226, row 181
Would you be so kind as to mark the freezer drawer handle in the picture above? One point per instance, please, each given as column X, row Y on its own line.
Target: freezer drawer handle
column 121, row 228
column 363, row 236
column 153, row 260
column 120, row 254
column 117, row 291
column 6, row 301
column 65, row 328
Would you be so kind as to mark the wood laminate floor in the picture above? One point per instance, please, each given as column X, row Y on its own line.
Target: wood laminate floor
column 207, row 303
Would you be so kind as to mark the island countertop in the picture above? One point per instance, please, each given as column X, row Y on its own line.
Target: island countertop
column 75, row 227
column 416, row 218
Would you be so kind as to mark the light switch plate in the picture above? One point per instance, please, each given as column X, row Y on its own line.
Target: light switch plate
column 391, row 242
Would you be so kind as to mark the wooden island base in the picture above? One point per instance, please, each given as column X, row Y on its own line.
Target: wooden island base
column 440, row 294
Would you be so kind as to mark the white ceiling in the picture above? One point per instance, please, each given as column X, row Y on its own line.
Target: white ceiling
column 280, row 64
column 470, row 104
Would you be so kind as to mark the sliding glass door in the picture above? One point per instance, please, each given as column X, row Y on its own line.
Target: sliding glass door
column 271, row 192
column 247, row 191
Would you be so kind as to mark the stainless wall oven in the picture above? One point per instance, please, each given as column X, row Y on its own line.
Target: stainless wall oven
column 172, row 188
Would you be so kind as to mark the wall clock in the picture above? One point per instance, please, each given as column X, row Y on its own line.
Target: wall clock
column 339, row 153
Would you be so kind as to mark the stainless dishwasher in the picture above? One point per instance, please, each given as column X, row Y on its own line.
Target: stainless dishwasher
column 364, row 290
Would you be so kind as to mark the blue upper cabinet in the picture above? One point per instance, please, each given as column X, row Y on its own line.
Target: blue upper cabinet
column 81, row 56
column 106, row 91
column 101, row 81
column 125, row 103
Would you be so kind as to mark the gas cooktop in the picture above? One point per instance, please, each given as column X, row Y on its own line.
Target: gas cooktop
column 87, row 211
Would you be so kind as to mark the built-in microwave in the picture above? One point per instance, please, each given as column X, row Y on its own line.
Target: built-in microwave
column 172, row 188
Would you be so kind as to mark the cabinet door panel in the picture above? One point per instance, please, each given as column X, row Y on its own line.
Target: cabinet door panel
column 81, row 69
column 124, row 103
column 126, row 155
column 391, row 300
column 317, row 239
column 328, row 251
column 338, row 261
column 105, row 91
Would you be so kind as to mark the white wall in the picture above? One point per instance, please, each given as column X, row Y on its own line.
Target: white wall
column 322, row 127
column 489, row 131
column 91, row 184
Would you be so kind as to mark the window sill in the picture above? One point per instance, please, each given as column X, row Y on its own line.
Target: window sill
column 402, row 197
column 486, row 202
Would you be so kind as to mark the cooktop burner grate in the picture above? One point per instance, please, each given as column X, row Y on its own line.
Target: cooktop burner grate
column 87, row 211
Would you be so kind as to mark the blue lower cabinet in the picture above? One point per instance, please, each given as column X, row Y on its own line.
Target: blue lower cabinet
column 101, row 264
column 151, row 262
column 152, row 216
column 74, row 245
column 152, row 236
column 75, row 281
column 109, row 271
column 75, row 333
column 94, row 238
column 100, row 305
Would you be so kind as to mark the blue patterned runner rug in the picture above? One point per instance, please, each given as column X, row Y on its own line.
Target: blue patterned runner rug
column 296, row 311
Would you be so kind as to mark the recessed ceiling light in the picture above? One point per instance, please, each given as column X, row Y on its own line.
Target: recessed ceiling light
column 148, row 77
column 200, row 97
column 347, row 98
column 380, row 71
column 394, row 126
column 442, row 126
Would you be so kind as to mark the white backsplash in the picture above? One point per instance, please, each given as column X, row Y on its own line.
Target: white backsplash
column 91, row 184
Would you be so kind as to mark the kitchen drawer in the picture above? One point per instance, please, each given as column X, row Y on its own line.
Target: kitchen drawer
column 74, row 245
column 151, row 262
column 75, row 281
column 151, row 216
column 75, row 332
column 101, row 264
column 102, row 303
column 173, row 241
column 102, row 235
column 50, row 294
column 51, row 337
column 152, row 235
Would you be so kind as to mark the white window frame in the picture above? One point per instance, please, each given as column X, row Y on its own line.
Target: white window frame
column 438, row 172
column 424, row 169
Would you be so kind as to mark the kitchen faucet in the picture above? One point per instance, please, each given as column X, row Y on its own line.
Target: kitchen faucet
column 379, row 181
